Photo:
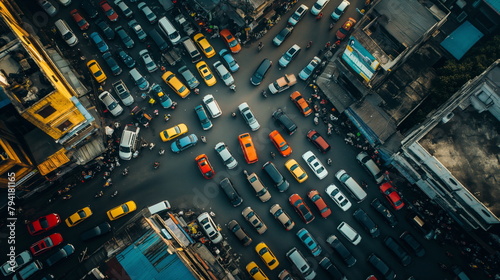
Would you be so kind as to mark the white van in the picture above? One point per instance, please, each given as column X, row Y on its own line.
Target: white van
column 66, row 32
column 128, row 142
column 158, row 207
column 349, row 233
column 354, row 188
column 296, row 257
column 192, row 50
column 168, row 28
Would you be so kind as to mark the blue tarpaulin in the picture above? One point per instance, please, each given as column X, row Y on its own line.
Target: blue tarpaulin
column 459, row 42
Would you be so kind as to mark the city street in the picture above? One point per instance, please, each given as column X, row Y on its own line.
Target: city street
column 178, row 178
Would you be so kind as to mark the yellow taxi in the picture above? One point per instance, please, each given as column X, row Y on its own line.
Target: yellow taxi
column 267, row 256
column 173, row 132
column 78, row 217
column 96, row 71
column 122, row 210
column 297, row 171
column 175, row 84
column 206, row 73
column 204, row 45
column 254, row 270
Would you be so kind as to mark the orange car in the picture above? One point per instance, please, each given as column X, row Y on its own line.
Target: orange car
column 316, row 198
column 280, row 143
column 301, row 103
column 248, row 148
column 230, row 40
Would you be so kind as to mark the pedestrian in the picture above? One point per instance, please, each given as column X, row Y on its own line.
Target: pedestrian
column 327, row 45
column 273, row 155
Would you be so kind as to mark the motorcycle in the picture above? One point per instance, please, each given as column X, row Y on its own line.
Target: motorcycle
column 316, row 118
column 309, row 44
column 125, row 172
column 166, row 117
column 68, row 196
column 114, row 194
column 98, row 194
column 161, row 152
column 156, row 165
column 264, row 93
column 108, row 183
column 233, row 87
column 259, row 48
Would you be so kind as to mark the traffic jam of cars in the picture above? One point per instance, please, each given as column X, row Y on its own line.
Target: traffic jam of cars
column 101, row 24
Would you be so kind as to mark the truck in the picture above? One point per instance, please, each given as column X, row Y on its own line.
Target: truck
column 123, row 93
column 185, row 24
column 171, row 56
column 282, row 83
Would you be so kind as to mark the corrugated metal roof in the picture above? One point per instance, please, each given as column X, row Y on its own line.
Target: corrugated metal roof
column 148, row 258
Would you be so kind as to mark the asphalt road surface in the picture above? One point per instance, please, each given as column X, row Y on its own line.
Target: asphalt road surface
column 179, row 180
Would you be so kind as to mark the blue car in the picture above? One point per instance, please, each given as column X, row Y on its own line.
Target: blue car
column 203, row 117
column 183, row 143
column 126, row 58
column 229, row 59
column 164, row 99
column 127, row 41
column 113, row 65
column 309, row 241
column 99, row 42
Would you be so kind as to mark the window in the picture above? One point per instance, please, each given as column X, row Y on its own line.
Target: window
column 65, row 125
column 46, row 111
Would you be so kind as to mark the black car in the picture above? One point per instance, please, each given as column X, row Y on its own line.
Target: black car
column 397, row 250
column 279, row 181
column 413, row 244
column 366, row 222
column 384, row 212
column 344, row 253
column 115, row 69
column 284, row 121
column 261, row 71
column 331, row 269
column 382, row 267
column 96, row 231
column 126, row 39
column 126, row 58
column 231, row 193
column 108, row 32
column 62, row 253
column 89, row 9
column 281, row 37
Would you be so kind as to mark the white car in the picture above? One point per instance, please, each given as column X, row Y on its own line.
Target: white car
column 309, row 69
column 124, row 8
column 226, row 155
column 148, row 61
column 111, row 104
column 224, row 73
column 340, row 10
column 212, row 106
column 19, row 261
column 315, row 164
column 319, row 6
column 248, row 116
column 209, row 227
column 298, row 14
column 289, row 55
column 338, row 197
column 147, row 12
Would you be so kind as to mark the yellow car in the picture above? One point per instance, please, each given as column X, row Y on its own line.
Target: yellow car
column 204, row 45
column 206, row 73
column 254, row 270
column 78, row 217
column 121, row 210
column 96, row 71
column 298, row 172
column 173, row 132
column 267, row 256
column 175, row 84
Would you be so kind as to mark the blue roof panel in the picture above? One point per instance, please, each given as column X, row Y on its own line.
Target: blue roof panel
column 494, row 4
column 459, row 42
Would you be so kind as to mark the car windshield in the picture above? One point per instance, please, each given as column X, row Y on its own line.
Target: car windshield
column 317, row 6
column 125, row 208
column 112, row 105
column 44, row 223
column 232, row 43
column 125, row 149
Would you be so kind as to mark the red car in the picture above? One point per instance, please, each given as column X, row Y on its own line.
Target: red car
column 46, row 244
column 230, row 40
column 316, row 198
column 205, row 167
column 301, row 208
column 108, row 10
column 80, row 20
column 43, row 224
column 392, row 196
column 345, row 29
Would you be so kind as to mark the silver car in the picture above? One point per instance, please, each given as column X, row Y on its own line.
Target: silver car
column 223, row 73
column 148, row 61
column 147, row 12
column 248, row 116
column 209, row 227
column 338, row 197
column 226, row 156
column 111, row 104
column 189, row 77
